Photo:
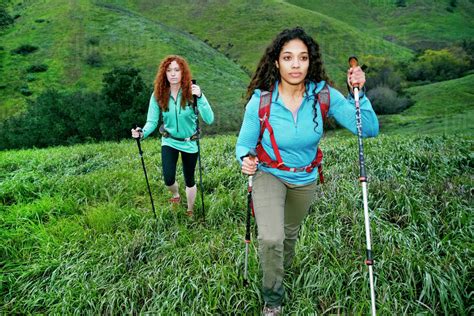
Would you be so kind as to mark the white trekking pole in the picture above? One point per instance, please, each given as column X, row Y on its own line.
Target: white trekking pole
column 353, row 62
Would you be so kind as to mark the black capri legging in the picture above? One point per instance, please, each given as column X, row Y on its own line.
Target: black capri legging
column 169, row 159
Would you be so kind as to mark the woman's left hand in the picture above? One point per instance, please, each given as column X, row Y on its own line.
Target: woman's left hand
column 355, row 77
column 196, row 90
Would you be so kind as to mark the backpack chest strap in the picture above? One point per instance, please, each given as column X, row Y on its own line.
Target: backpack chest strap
column 264, row 114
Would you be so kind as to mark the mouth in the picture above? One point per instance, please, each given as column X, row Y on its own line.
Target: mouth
column 295, row 74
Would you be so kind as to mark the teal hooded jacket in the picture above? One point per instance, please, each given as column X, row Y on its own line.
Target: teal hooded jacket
column 179, row 122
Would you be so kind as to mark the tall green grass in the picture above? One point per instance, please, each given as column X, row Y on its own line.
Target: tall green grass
column 78, row 235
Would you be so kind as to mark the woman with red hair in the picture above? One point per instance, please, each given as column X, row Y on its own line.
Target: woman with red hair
column 171, row 110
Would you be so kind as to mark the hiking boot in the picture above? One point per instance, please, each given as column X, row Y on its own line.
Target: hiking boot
column 271, row 311
column 175, row 200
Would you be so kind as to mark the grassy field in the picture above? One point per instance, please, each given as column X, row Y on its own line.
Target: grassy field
column 78, row 235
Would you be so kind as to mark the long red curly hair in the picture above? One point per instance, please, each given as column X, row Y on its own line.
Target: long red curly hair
column 162, row 85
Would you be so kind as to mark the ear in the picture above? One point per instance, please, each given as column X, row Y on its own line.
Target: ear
column 276, row 64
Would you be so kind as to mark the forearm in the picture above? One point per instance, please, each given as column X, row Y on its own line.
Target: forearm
column 152, row 117
column 205, row 110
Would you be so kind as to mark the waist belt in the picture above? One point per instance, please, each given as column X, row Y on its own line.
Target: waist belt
column 167, row 134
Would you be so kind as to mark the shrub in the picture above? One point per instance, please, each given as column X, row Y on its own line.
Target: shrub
column 25, row 49
column 94, row 41
column 124, row 93
column 59, row 118
column 25, row 90
column 401, row 3
column 94, row 59
column 439, row 65
column 468, row 46
column 382, row 71
column 54, row 118
column 5, row 18
column 37, row 68
column 385, row 100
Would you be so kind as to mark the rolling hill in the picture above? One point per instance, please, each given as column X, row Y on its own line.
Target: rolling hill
column 79, row 41
column 65, row 40
column 419, row 24
column 444, row 107
column 222, row 41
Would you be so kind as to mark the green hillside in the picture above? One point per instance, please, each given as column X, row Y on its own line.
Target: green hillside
column 243, row 28
column 64, row 40
column 420, row 24
column 218, row 38
column 223, row 41
column 445, row 107
column 78, row 235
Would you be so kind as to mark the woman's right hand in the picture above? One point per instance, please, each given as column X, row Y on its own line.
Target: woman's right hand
column 137, row 133
column 249, row 165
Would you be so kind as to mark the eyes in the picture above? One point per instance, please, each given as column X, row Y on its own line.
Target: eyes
column 173, row 69
column 290, row 58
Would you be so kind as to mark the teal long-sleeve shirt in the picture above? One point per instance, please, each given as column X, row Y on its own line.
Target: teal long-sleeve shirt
column 298, row 137
column 179, row 122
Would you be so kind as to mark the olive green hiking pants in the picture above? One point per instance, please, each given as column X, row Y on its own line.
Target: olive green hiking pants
column 280, row 208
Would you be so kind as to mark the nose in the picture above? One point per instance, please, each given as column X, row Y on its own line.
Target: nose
column 296, row 63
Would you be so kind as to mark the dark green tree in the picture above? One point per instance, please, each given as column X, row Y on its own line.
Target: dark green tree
column 125, row 97
column 439, row 65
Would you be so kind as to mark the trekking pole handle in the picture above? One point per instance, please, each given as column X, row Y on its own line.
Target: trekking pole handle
column 354, row 62
column 252, row 154
column 193, row 81
column 135, row 126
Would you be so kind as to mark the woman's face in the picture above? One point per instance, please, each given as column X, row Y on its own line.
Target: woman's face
column 293, row 62
column 173, row 73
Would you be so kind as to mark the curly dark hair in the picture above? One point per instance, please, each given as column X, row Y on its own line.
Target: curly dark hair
column 267, row 73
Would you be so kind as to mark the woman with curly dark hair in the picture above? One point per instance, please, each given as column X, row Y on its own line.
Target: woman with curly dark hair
column 291, row 77
column 171, row 110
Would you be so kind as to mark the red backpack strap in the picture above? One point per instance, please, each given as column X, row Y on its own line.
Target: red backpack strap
column 324, row 100
column 264, row 115
column 264, row 111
